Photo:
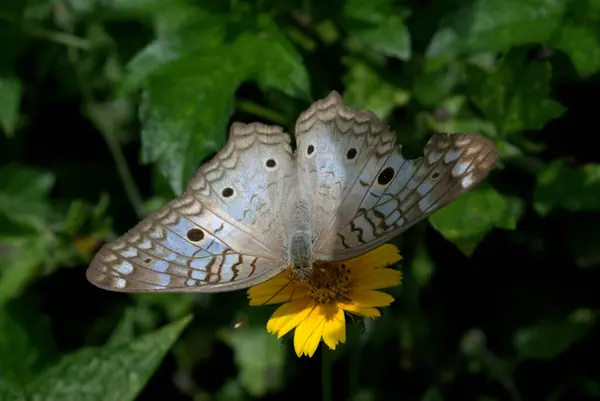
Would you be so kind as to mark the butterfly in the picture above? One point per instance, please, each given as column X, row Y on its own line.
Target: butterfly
column 259, row 207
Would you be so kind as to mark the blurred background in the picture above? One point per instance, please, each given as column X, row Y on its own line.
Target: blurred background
column 107, row 107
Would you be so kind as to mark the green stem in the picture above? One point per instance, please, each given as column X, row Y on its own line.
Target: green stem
column 354, row 369
column 52, row 36
column 58, row 37
column 131, row 189
column 108, row 131
column 326, row 362
column 261, row 111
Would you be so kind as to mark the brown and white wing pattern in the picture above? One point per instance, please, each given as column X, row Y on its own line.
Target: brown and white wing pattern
column 220, row 234
column 404, row 192
column 361, row 191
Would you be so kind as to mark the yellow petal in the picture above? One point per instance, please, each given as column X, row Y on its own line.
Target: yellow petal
column 360, row 310
column 335, row 327
column 377, row 279
column 280, row 288
column 268, row 287
column 383, row 256
column 370, row 298
column 278, row 280
column 308, row 333
column 289, row 315
column 275, row 295
column 295, row 320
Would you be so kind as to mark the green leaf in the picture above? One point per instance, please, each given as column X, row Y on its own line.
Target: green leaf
column 493, row 25
column 184, row 114
column 189, row 100
column 25, row 182
column 579, row 36
column 259, row 357
column 431, row 87
column 582, row 44
column 433, row 394
column 575, row 189
column 7, row 393
column 367, row 90
column 149, row 6
column 516, row 95
column 549, row 339
column 271, row 60
column 378, row 26
column 467, row 220
column 474, row 346
column 204, row 35
column 164, row 19
column 37, row 11
column 26, row 343
column 175, row 306
column 422, row 267
column 24, row 235
column 10, row 99
column 20, row 260
column 125, row 330
column 231, row 391
column 23, row 196
column 461, row 124
column 454, row 115
column 113, row 372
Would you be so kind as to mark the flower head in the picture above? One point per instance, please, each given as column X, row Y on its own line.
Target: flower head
column 315, row 308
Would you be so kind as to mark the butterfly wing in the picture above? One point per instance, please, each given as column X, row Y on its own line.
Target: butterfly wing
column 364, row 192
column 405, row 192
column 220, row 235
column 336, row 147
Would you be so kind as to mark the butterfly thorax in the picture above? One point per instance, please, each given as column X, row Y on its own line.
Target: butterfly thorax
column 301, row 255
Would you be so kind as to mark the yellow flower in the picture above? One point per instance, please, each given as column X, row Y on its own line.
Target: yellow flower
column 315, row 308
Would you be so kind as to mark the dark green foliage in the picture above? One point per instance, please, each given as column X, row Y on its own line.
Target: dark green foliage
column 107, row 108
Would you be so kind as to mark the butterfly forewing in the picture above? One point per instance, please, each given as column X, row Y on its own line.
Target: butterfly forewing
column 220, row 235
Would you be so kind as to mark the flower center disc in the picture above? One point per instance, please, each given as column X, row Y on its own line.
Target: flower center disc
column 329, row 282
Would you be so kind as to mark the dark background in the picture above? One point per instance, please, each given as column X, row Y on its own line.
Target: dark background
column 513, row 319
